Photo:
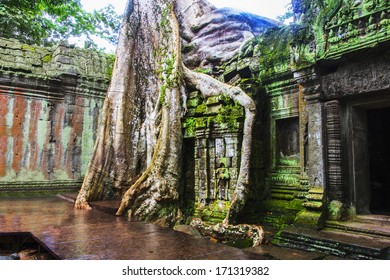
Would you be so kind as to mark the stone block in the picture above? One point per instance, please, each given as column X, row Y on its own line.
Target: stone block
column 235, row 162
column 219, row 147
column 233, row 172
column 214, row 100
column 202, row 164
column 231, row 150
column 213, row 109
column 230, row 72
column 202, row 143
column 201, row 153
column 211, row 143
column 232, row 186
column 212, row 152
column 193, row 94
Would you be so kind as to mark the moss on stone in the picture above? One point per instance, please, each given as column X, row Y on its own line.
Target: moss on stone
column 47, row 58
column 274, row 51
column 283, row 205
column 48, row 62
column 336, row 211
column 28, row 48
column 309, row 219
column 35, row 193
column 229, row 114
column 193, row 102
column 206, row 71
column 241, row 243
column 201, row 109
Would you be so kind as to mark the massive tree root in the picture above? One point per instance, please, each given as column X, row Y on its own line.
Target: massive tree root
column 227, row 233
column 208, row 86
column 154, row 195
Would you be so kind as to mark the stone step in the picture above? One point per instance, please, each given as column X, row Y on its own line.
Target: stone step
column 373, row 218
column 287, row 168
column 363, row 226
column 277, row 176
column 338, row 243
column 284, row 185
column 280, row 253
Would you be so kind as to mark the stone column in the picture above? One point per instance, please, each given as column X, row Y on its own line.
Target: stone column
column 336, row 196
column 202, row 166
column 315, row 159
column 310, row 88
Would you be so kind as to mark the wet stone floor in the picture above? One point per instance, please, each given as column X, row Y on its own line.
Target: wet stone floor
column 93, row 234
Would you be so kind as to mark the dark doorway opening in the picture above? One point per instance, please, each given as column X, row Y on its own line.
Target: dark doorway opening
column 378, row 138
column 188, row 179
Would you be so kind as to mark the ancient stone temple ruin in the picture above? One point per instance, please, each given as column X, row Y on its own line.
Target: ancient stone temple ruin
column 212, row 149
column 320, row 152
column 320, row 155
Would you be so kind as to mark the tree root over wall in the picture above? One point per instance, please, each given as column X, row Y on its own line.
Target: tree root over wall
column 149, row 80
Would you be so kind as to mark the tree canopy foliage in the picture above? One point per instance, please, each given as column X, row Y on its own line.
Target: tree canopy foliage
column 45, row 22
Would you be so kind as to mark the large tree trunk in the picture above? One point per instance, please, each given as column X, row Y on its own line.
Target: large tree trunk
column 140, row 135
column 138, row 147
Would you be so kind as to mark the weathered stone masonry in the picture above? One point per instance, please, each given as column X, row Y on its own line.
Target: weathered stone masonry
column 212, row 146
column 320, row 157
column 320, row 143
column 327, row 96
column 50, row 101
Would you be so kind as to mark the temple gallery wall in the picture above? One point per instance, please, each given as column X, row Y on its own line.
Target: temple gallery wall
column 51, row 99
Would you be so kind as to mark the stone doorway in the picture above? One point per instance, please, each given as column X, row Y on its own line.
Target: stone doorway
column 188, row 180
column 287, row 142
column 378, row 138
column 371, row 159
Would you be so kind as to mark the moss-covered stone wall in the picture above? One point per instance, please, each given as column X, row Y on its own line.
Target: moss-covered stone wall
column 50, row 101
column 296, row 73
column 212, row 129
column 283, row 64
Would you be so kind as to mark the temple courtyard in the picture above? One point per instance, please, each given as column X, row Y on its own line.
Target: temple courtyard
column 65, row 233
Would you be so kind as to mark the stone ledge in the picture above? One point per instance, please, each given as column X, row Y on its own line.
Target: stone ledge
column 341, row 244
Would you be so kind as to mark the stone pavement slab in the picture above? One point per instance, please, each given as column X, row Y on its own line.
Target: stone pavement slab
column 92, row 234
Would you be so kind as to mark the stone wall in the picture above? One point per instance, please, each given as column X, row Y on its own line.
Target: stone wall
column 317, row 75
column 212, row 131
column 50, row 102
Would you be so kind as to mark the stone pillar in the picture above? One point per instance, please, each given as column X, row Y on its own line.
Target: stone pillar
column 202, row 170
column 315, row 157
column 212, row 167
column 336, row 196
column 309, row 85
